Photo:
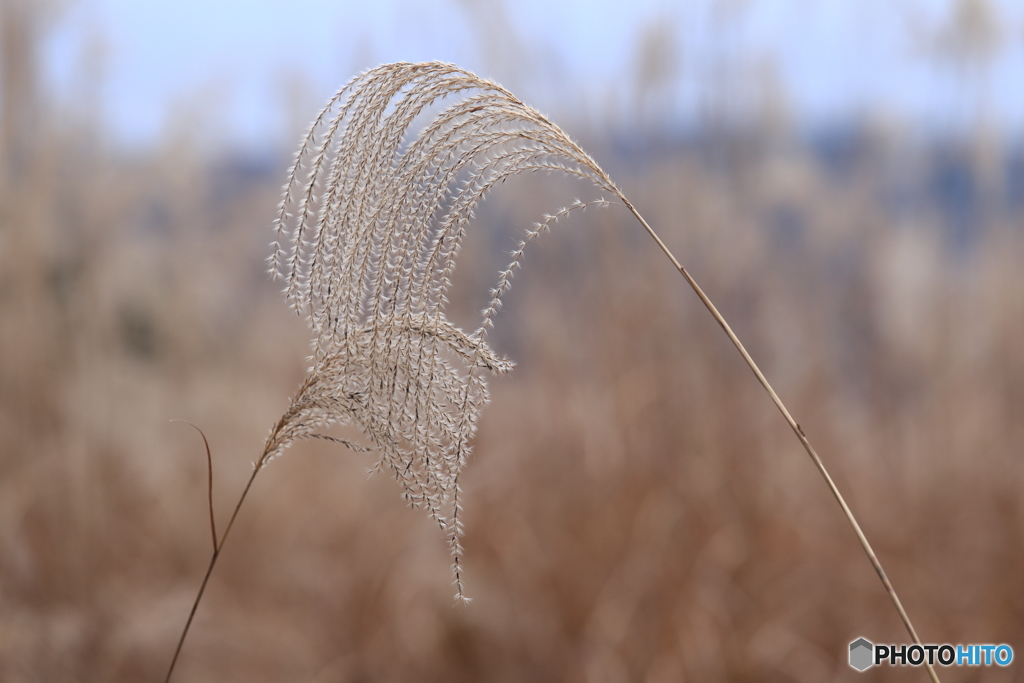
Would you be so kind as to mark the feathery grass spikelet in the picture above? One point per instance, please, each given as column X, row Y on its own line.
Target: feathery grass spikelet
column 369, row 229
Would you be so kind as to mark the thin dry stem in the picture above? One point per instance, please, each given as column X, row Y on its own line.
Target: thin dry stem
column 206, row 577
column 868, row 550
column 218, row 545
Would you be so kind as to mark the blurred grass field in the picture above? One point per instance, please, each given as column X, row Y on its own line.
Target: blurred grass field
column 635, row 508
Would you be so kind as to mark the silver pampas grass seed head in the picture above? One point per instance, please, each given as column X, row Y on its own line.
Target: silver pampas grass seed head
column 371, row 223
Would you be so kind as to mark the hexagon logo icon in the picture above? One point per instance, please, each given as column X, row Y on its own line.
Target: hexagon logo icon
column 861, row 651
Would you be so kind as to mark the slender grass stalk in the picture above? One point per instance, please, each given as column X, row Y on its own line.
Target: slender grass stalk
column 868, row 550
column 217, row 545
column 291, row 426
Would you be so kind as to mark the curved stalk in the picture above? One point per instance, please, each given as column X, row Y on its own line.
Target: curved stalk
column 796, row 430
column 217, row 547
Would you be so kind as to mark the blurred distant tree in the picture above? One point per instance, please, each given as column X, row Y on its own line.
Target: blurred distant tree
column 31, row 281
column 656, row 74
column 20, row 26
column 971, row 37
column 965, row 45
column 501, row 45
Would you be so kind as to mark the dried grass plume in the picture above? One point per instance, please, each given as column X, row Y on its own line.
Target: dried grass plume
column 375, row 209
column 373, row 215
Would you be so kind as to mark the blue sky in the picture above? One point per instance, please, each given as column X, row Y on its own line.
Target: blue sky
column 260, row 69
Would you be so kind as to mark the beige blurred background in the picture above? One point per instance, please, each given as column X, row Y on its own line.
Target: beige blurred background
column 636, row 509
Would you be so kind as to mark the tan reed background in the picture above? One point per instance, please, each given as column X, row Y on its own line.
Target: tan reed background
column 635, row 510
